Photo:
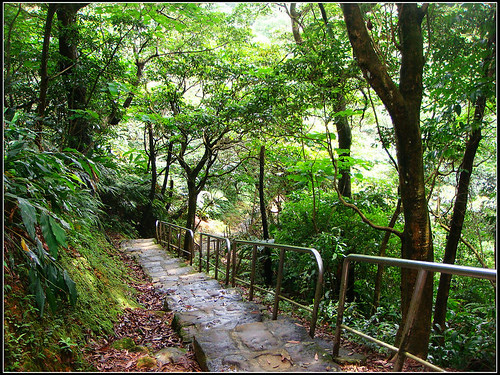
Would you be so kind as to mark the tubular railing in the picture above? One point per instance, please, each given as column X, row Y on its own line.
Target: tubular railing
column 216, row 241
column 423, row 269
column 166, row 231
column 277, row 295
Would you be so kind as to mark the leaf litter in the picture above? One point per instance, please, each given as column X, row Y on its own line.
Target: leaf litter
column 149, row 328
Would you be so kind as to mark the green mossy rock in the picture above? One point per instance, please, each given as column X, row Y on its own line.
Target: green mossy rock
column 129, row 344
column 146, row 362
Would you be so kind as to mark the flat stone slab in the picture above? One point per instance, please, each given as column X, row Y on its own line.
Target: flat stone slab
column 268, row 346
column 227, row 333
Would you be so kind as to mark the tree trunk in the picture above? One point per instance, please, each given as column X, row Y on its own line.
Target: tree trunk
column 456, row 224
column 147, row 226
column 403, row 104
column 167, row 168
column 460, row 207
column 268, row 272
column 78, row 132
column 345, row 140
column 44, row 78
column 294, row 17
column 380, row 267
column 191, row 214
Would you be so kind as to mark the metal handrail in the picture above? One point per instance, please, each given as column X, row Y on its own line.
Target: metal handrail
column 218, row 240
column 188, row 247
column 277, row 296
column 423, row 269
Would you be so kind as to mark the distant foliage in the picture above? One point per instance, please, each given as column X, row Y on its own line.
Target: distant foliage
column 339, row 233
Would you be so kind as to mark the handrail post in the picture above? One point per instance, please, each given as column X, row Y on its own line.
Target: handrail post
column 228, row 261
column 317, row 294
column 169, row 238
column 278, row 284
column 410, row 319
column 208, row 254
column 179, row 236
column 340, row 310
column 217, row 248
column 201, row 253
column 156, row 230
column 252, row 271
column 233, row 281
column 191, row 247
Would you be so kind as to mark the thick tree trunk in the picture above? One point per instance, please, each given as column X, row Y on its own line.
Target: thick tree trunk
column 78, row 132
column 268, row 272
column 192, row 201
column 403, row 104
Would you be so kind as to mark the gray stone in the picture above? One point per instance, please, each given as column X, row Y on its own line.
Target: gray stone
column 170, row 355
column 227, row 333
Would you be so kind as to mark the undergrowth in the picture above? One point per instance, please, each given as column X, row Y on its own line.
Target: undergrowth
column 55, row 342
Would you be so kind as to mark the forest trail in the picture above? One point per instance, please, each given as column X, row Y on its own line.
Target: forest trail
column 227, row 333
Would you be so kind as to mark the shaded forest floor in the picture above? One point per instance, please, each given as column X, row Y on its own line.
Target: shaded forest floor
column 150, row 329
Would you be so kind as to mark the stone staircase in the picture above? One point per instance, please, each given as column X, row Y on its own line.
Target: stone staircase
column 227, row 333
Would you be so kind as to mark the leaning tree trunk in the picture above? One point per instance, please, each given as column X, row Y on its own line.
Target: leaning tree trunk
column 460, row 207
column 403, row 104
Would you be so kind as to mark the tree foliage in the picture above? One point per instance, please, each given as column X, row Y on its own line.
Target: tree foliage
column 118, row 114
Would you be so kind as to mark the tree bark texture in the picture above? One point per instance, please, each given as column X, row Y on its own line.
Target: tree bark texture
column 403, row 104
column 78, row 129
column 345, row 140
column 294, row 17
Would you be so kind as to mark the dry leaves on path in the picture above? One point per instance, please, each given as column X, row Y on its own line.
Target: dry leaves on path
column 149, row 328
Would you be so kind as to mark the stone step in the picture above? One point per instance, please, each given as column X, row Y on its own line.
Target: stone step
column 227, row 332
column 267, row 346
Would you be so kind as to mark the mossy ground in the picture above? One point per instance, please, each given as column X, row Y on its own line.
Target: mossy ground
column 55, row 342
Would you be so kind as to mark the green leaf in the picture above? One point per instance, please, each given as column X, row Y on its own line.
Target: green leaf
column 39, row 296
column 71, row 287
column 51, row 298
column 28, row 214
column 58, row 232
column 348, row 112
column 49, row 235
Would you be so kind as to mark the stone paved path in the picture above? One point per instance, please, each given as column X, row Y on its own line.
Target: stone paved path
column 227, row 333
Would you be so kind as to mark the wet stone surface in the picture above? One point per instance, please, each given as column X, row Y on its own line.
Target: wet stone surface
column 227, row 333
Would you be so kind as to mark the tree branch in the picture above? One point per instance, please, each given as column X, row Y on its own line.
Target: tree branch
column 373, row 70
column 476, row 253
